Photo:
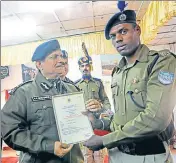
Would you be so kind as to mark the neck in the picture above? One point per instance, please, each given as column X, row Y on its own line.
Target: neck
column 131, row 59
column 50, row 75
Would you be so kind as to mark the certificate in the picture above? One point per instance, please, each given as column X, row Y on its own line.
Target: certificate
column 73, row 127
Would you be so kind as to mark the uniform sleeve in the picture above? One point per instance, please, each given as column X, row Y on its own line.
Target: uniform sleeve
column 15, row 129
column 104, row 98
column 160, row 103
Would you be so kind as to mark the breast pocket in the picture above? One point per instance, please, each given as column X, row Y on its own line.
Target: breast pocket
column 136, row 95
column 95, row 92
column 115, row 93
column 44, row 113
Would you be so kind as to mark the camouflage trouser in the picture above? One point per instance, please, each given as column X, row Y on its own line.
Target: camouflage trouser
column 94, row 157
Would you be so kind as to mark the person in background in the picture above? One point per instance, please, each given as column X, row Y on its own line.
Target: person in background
column 94, row 94
column 143, row 88
column 27, row 119
column 65, row 67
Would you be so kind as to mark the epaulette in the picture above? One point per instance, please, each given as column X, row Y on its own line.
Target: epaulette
column 166, row 52
column 97, row 79
column 77, row 81
column 162, row 53
column 14, row 89
column 67, row 80
column 71, row 82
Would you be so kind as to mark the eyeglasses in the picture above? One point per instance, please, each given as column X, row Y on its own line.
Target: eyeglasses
column 55, row 56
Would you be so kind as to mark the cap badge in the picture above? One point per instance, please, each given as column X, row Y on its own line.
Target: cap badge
column 122, row 17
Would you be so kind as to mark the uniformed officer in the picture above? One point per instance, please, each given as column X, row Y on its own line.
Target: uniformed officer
column 94, row 94
column 65, row 65
column 28, row 122
column 144, row 91
column 93, row 87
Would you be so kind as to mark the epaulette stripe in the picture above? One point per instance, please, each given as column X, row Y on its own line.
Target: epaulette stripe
column 97, row 79
column 77, row 81
column 14, row 89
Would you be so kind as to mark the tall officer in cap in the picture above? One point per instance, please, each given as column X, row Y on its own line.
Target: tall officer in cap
column 95, row 97
column 143, row 89
column 28, row 122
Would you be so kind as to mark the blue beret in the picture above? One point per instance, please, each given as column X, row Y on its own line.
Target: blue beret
column 127, row 16
column 86, row 59
column 65, row 54
column 45, row 49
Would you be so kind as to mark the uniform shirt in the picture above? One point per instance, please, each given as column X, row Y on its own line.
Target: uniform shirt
column 28, row 122
column 153, row 95
column 94, row 89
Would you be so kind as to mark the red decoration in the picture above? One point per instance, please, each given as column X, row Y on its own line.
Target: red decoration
column 101, row 132
column 7, row 95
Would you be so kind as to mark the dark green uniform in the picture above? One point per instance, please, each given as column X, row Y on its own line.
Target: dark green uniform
column 144, row 98
column 28, row 123
column 94, row 89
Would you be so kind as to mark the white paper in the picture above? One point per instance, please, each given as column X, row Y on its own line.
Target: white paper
column 73, row 126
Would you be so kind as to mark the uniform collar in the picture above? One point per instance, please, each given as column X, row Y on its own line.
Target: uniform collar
column 42, row 82
column 82, row 80
column 142, row 53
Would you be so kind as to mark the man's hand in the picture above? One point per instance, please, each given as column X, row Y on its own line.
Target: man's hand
column 93, row 105
column 95, row 143
column 61, row 149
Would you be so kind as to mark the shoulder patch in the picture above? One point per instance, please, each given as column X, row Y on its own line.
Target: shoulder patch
column 14, row 89
column 166, row 78
column 77, row 81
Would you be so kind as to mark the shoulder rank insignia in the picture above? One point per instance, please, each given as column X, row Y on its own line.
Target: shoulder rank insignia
column 166, row 77
column 14, row 89
column 164, row 53
column 41, row 98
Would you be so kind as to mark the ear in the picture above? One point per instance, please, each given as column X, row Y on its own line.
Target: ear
column 138, row 29
column 38, row 65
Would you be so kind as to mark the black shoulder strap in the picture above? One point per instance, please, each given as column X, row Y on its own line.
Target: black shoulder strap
column 12, row 91
column 151, row 65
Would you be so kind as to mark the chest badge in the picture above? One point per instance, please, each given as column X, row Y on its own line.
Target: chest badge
column 135, row 80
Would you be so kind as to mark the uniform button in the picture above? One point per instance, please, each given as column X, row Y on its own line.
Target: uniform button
column 121, row 92
column 123, row 113
column 136, row 90
column 44, row 107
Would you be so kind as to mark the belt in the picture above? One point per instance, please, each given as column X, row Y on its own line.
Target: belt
column 148, row 146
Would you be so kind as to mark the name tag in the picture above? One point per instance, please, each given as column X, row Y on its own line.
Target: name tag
column 41, row 98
